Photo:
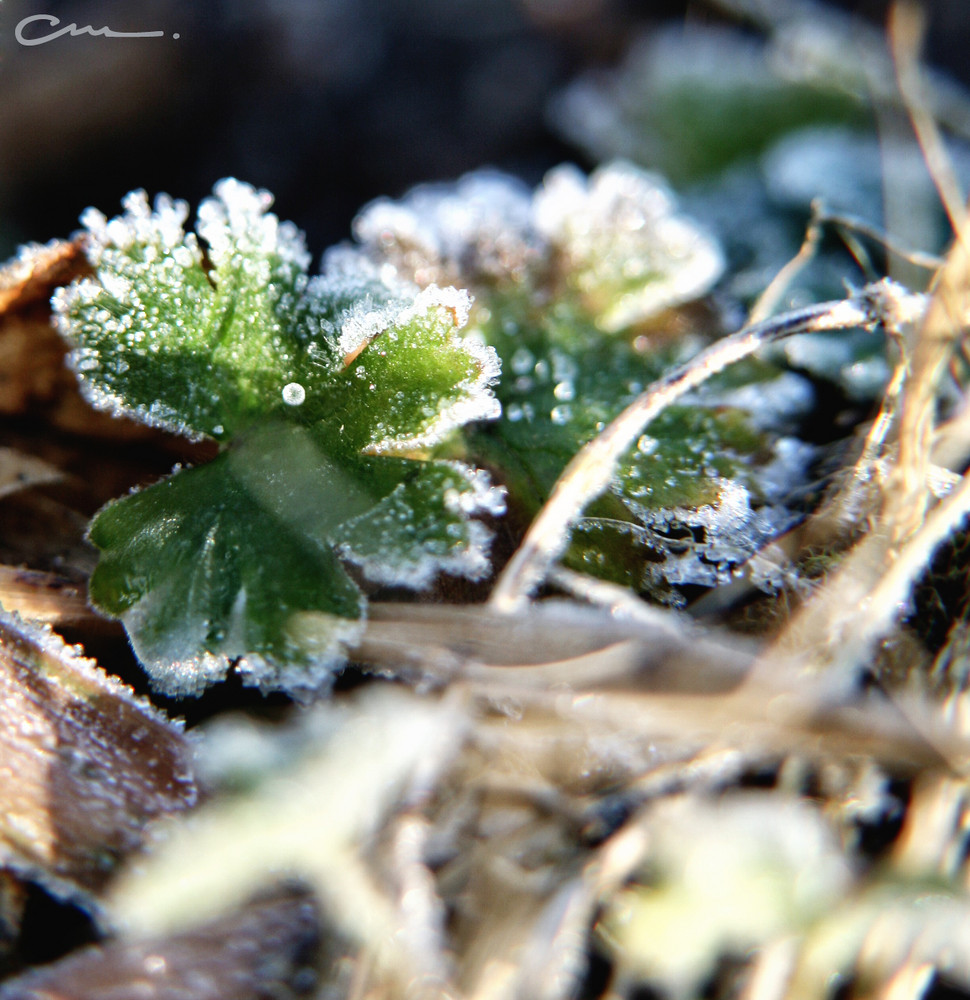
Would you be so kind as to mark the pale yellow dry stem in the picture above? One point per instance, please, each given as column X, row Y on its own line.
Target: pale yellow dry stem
column 842, row 625
column 945, row 318
column 879, row 431
column 554, row 639
column 906, row 31
column 772, row 971
column 20, row 472
column 849, row 508
column 927, row 847
column 856, row 226
column 46, row 597
column 951, row 444
column 771, row 296
column 622, row 602
column 878, row 574
column 546, row 970
column 890, row 594
column 910, row 983
column 942, row 325
column 777, row 715
column 840, row 628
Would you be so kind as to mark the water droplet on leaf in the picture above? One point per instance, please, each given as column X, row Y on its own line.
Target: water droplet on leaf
column 293, row 394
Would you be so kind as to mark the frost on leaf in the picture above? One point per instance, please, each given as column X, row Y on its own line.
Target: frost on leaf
column 570, row 286
column 616, row 238
column 187, row 337
column 329, row 394
column 425, row 525
column 480, row 228
column 623, row 246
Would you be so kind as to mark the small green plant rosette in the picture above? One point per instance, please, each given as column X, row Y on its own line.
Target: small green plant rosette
column 574, row 284
column 329, row 397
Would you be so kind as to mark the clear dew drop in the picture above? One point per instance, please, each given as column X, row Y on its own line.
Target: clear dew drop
column 293, row 394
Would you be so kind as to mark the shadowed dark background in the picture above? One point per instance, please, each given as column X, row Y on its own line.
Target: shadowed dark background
column 328, row 103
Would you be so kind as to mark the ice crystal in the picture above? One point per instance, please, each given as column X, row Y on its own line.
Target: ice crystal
column 722, row 535
column 329, row 394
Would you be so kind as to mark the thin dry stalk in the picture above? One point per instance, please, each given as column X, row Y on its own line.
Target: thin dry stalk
column 906, row 30
column 878, row 614
column 552, row 644
column 773, row 713
column 946, row 315
column 621, row 602
column 944, row 322
column 771, row 296
column 846, row 224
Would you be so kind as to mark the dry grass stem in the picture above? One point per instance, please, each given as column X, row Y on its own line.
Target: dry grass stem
column 906, row 31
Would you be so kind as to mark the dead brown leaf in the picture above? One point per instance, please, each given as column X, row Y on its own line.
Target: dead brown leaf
column 84, row 765
column 263, row 950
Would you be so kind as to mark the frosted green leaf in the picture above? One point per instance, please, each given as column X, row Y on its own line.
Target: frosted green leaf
column 404, row 391
column 551, row 272
column 205, row 567
column 328, row 395
column 195, row 342
column 702, row 489
column 623, row 247
column 616, row 239
column 208, row 342
column 423, row 526
column 239, row 558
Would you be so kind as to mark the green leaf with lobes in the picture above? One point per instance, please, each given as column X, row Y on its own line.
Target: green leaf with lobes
column 328, row 395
